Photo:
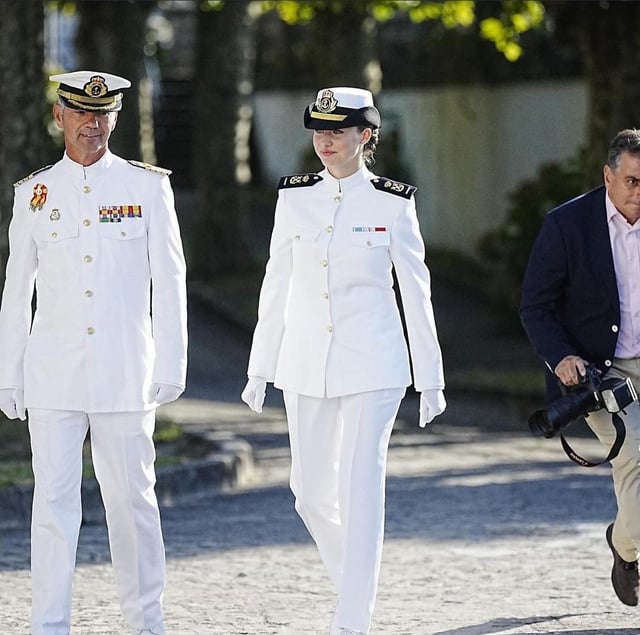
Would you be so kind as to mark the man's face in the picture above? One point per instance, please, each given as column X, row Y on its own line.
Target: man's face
column 86, row 133
column 623, row 186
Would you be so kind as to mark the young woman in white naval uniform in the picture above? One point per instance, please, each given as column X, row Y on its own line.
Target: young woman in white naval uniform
column 330, row 336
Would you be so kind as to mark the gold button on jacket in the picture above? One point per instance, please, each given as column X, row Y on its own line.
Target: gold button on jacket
column 136, row 337
column 354, row 342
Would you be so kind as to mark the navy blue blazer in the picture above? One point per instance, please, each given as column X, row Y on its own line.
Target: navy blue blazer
column 570, row 303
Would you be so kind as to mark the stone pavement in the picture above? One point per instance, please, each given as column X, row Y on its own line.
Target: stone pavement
column 489, row 530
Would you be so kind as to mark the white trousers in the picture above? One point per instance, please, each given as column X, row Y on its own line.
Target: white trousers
column 625, row 468
column 338, row 472
column 123, row 458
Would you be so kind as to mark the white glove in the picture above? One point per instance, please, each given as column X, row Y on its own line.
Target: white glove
column 164, row 393
column 12, row 403
column 254, row 393
column 432, row 403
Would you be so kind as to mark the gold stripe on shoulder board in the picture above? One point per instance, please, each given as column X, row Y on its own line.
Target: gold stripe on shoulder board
column 26, row 178
column 151, row 168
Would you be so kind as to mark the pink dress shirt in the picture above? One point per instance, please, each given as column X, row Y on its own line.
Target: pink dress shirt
column 625, row 245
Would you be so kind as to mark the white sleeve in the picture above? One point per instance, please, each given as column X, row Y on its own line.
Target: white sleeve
column 407, row 254
column 272, row 305
column 169, row 294
column 15, row 311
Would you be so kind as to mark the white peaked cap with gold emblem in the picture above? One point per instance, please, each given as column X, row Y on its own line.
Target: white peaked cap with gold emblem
column 91, row 90
column 341, row 107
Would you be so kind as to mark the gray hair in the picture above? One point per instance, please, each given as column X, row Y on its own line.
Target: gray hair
column 627, row 140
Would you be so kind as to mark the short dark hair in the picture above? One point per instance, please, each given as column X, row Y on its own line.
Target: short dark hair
column 627, row 140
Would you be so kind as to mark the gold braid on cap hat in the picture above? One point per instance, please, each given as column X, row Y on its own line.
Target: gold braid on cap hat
column 93, row 103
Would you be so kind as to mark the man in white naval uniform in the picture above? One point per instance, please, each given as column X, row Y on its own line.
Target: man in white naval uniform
column 329, row 334
column 98, row 237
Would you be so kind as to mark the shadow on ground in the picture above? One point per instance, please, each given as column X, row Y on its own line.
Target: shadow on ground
column 500, row 625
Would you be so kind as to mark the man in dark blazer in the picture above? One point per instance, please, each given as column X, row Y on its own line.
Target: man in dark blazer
column 581, row 305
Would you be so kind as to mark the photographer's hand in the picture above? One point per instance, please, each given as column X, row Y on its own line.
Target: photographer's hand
column 568, row 368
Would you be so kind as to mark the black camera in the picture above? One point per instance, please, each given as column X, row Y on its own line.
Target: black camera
column 592, row 394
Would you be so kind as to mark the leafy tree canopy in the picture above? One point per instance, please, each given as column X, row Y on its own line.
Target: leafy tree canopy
column 512, row 19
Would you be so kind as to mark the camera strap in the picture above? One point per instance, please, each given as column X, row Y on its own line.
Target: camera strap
column 621, row 433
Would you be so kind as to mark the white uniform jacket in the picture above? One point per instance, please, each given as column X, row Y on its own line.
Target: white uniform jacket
column 328, row 320
column 93, row 240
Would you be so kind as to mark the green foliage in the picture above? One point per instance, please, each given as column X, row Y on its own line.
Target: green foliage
column 63, row 6
column 15, row 450
column 15, row 473
column 293, row 12
column 514, row 18
column 211, row 5
column 452, row 14
column 15, row 453
column 507, row 248
column 167, row 431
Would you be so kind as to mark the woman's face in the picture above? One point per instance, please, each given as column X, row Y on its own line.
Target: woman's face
column 341, row 150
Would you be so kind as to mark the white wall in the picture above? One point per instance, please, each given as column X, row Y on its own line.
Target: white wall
column 467, row 147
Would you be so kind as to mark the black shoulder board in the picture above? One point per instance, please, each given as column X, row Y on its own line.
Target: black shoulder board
column 393, row 187
column 148, row 166
column 26, row 178
column 299, row 180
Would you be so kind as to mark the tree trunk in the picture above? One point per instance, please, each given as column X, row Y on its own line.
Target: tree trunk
column 223, row 84
column 608, row 36
column 344, row 39
column 22, row 116
column 611, row 45
column 110, row 38
column 336, row 46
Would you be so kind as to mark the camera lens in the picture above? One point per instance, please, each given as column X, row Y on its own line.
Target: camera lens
column 540, row 425
column 561, row 413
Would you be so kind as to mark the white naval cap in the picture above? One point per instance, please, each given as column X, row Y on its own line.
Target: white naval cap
column 341, row 107
column 91, row 90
